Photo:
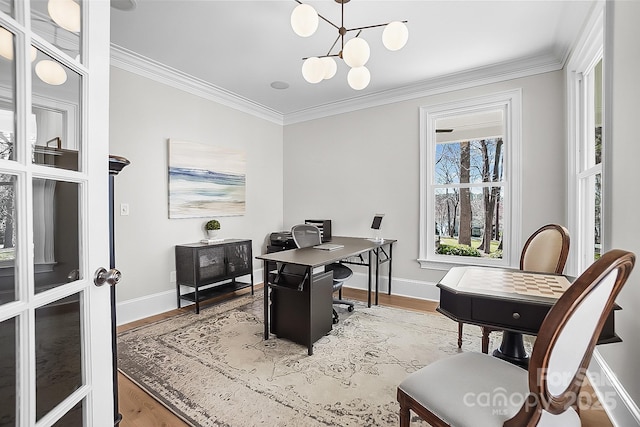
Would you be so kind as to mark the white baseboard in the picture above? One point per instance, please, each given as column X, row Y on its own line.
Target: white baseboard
column 402, row 287
column 146, row 306
column 150, row 305
column 620, row 407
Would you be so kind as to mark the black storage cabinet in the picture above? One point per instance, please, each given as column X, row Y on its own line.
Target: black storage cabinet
column 211, row 269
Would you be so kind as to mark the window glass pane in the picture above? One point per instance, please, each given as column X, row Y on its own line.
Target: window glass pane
column 7, row 94
column 469, row 221
column 58, row 22
column 597, row 89
column 58, row 353
column 597, row 192
column 469, row 161
column 8, row 383
column 55, row 233
column 7, row 238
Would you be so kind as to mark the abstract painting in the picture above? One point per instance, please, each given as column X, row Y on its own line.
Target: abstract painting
column 205, row 180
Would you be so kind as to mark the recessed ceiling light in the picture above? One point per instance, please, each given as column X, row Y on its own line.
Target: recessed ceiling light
column 279, row 85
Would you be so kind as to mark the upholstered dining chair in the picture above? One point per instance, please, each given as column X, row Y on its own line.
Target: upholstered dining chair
column 545, row 251
column 477, row 390
column 305, row 235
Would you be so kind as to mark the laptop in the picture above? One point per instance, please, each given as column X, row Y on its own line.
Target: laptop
column 329, row 246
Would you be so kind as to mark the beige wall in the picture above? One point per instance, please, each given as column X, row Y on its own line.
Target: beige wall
column 623, row 34
column 144, row 115
column 350, row 166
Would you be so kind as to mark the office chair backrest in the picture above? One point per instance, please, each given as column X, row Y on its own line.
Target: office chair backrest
column 568, row 335
column 546, row 250
column 305, row 235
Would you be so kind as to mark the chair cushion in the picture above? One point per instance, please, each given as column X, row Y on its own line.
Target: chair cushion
column 474, row 389
column 340, row 272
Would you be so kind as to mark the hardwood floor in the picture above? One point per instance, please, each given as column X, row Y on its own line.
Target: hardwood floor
column 139, row 409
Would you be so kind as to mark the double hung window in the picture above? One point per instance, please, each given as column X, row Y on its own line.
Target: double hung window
column 469, row 169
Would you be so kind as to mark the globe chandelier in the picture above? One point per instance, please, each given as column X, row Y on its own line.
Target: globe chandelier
column 355, row 52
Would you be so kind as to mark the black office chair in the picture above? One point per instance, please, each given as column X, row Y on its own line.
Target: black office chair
column 305, row 235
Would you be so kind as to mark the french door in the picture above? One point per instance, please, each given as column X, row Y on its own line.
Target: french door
column 55, row 333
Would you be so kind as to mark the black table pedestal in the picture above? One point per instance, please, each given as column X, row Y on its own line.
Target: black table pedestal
column 512, row 350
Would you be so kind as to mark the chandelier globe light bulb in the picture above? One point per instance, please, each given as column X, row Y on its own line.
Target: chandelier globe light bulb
column 356, row 52
column 313, row 70
column 304, row 20
column 51, row 72
column 65, row 13
column 330, row 67
column 359, row 78
column 6, row 44
column 395, row 35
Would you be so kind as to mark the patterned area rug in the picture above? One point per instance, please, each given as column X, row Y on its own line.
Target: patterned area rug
column 215, row 368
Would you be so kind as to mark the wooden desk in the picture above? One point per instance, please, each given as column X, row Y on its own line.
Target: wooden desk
column 311, row 258
column 514, row 301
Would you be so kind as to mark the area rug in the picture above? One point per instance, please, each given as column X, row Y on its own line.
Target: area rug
column 215, row 368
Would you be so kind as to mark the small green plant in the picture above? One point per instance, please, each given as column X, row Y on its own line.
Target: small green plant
column 213, row 224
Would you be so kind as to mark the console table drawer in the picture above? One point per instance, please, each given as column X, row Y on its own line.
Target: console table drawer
column 510, row 315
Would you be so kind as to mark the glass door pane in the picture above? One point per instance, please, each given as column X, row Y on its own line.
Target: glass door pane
column 7, row 94
column 58, row 353
column 8, row 219
column 8, row 372
column 56, row 239
column 56, row 110
column 59, row 22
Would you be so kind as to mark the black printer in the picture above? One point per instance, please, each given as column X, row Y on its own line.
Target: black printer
column 280, row 241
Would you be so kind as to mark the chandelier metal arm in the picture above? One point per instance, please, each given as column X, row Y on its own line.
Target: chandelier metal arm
column 371, row 26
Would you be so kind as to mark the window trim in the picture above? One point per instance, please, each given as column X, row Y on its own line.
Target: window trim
column 511, row 103
column 588, row 51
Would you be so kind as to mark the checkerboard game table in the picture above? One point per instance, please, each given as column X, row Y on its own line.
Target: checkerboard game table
column 513, row 301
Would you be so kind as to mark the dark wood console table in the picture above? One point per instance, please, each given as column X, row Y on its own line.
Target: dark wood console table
column 203, row 266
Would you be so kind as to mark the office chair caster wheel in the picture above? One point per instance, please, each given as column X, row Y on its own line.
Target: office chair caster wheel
column 350, row 309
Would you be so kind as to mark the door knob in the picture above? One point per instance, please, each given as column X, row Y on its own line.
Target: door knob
column 102, row 276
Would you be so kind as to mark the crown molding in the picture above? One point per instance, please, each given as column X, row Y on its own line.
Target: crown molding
column 452, row 82
column 130, row 61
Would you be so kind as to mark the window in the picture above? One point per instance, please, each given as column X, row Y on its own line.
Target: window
column 586, row 152
column 469, row 166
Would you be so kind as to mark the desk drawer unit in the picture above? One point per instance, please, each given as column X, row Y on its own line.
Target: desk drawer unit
column 291, row 315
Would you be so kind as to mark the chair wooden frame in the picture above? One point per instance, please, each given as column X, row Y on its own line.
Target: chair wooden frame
column 562, row 260
column 539, row 397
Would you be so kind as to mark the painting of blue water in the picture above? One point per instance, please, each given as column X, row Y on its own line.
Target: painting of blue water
column 205, row 180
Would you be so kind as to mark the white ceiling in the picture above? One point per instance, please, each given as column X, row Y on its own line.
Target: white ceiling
column 241, row 47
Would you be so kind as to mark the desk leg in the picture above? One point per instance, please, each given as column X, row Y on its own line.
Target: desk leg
column 390, row 263
column 265, row 278
column 512, row 349
column 310, row 331
column 377, row 251
column 369, row 279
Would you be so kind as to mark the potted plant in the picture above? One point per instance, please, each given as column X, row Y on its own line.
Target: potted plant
column 212, row 227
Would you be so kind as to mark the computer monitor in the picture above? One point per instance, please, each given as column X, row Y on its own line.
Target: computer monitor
column 377, row 221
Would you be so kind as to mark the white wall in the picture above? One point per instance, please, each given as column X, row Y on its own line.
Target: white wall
column 350, row 166
column 144, row 115
column 622, row 51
